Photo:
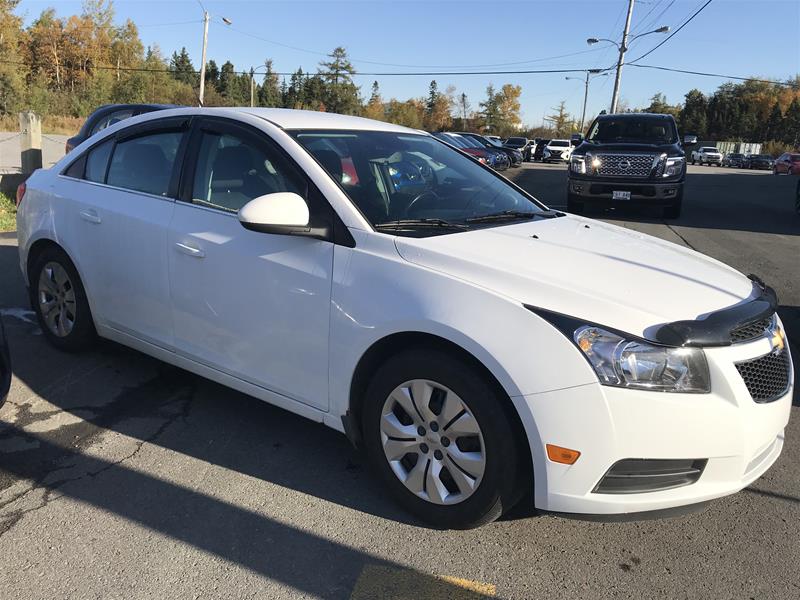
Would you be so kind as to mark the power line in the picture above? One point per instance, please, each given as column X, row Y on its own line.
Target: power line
column 405, row 66
column 784, row 83
column 669, row 37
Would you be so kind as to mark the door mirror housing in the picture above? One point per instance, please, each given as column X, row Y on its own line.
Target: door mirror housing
column 281, row 213
column 689, row 139
column 575, row 139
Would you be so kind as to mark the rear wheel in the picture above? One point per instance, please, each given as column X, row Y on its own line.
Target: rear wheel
column 441, row 440
column 59, row 299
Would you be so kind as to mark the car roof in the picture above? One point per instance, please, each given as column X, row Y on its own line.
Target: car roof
column 635, row 115
column 289, row 118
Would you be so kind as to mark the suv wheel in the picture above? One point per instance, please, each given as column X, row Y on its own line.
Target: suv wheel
column 439, row 437
column 673, row 211
column 59, row 299
column 574, row 205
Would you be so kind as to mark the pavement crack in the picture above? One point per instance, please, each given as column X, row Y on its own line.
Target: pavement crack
column 675, row 231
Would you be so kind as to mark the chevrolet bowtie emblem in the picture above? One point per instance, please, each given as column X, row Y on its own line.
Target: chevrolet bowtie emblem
column 776, row 339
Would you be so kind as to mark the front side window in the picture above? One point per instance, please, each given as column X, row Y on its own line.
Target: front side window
column 232, row 171
column 410, row 177
column 145, row 163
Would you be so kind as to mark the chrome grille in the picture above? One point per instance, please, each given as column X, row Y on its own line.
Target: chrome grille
column 632, row 165
column 766, row 377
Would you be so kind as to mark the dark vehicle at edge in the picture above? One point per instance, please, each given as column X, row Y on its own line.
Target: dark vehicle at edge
column 632, row 159
column 107, row 115
column 5, row 365
column 538, row 153
column 514, row 155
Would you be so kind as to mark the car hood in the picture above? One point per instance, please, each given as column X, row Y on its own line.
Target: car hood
column 599, row 148
column 586, row 269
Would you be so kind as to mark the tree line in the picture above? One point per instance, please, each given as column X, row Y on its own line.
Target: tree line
column 70, row 65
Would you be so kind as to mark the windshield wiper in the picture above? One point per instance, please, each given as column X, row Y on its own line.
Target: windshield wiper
column 508, row 215
column 419, row 223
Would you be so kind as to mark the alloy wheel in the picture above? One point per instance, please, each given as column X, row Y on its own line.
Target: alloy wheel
column 56, row 296
column 433, row 442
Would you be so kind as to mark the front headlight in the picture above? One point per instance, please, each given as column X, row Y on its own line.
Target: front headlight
column 577, row 164
column 674, row 167
column 636, row 364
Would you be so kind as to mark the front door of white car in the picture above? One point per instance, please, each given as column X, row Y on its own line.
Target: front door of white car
column 123, row 208
column 253, row 305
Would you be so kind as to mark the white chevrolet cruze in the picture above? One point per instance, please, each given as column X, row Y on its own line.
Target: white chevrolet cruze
column 481, row 348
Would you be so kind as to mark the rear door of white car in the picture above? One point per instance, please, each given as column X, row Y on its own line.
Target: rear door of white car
column 253, row 305
column 122, row 208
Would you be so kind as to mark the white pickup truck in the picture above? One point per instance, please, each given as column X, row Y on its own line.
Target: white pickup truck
column 707, row 154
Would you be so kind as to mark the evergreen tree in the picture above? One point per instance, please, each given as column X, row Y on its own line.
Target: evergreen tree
column 337, row 73
column 774, row 126
column 182, row 68
column 791, row 124
column 212, row 74
column 693, row 117
column 374, row 108
column 269, row 93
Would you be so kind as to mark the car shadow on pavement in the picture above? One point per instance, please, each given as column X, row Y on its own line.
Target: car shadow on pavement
column 310, row 564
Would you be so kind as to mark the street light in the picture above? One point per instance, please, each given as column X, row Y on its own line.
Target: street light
column 589, row 72
column 206, row 19
column 623, row 48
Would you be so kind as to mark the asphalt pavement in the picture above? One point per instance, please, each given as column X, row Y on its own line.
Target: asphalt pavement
column 122, row 477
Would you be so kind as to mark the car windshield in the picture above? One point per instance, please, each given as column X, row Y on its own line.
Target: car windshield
column 456, row 141
column 735, row 155
column 516, row 142
column 559, row 143
column 627, row 129
column 709, row 149
column 413, row 183
column 761, row 156
column 795, row 157
column 493, row 142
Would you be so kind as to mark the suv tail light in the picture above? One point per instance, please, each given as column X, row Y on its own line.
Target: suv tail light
column 21, row 192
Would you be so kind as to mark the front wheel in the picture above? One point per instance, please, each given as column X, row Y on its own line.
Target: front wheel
column 574, row 205
column 673, row 211
column 439, row 436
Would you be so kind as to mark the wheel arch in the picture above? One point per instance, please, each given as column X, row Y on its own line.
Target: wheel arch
column 393, row 344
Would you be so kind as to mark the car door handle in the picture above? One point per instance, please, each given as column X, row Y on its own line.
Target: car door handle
column 91, row 216
column 189, row 250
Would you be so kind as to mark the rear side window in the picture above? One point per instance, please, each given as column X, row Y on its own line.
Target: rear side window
column 97, row 162
column 145, row 163
column 111, row 119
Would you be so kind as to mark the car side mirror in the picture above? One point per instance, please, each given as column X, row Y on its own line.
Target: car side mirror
column 281, row 213
column 575, row 139
column 690, row 139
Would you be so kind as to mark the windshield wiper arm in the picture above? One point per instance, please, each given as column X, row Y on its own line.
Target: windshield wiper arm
column 419, row 223
column 508, row 215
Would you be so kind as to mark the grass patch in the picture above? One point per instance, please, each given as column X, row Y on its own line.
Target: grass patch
column 8, row 214
column 52, row 124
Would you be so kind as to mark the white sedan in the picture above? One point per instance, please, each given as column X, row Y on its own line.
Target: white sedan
column 478, row 346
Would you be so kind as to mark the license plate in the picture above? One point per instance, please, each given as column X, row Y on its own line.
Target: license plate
column 620, row 195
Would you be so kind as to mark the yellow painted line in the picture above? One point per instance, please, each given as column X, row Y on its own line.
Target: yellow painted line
column 389, row 583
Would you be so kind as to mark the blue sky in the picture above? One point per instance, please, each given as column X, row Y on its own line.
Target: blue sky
column 736, row 37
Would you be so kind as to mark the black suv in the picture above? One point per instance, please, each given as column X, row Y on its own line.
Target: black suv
column 628, row 159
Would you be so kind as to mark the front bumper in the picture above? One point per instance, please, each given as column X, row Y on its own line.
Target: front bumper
column 739, row 438
column 599, row 190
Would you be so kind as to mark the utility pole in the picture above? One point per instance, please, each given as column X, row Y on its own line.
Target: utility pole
column 585, row 98
column 206, row 18
column 622, row 49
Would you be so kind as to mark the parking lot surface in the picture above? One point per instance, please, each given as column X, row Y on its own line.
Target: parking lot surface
column 122, row 477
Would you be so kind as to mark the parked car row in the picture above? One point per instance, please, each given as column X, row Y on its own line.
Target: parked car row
column 787, row 163
column 487, row 150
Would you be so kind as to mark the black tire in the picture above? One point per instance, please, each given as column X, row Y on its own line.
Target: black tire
column 693, row 161
column 797, row 199
column 673, row 211
column 502, row 484
column 83, row 333
column 574, row 205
